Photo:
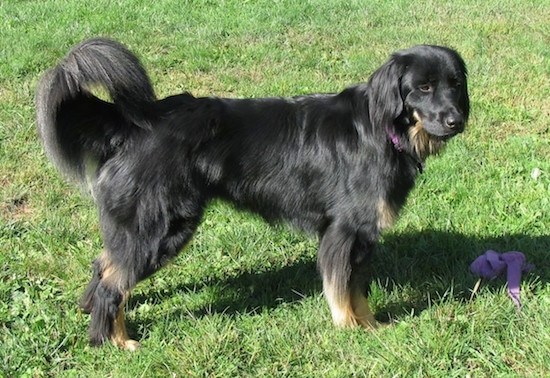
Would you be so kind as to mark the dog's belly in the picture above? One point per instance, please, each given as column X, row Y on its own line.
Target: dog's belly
column 277, row 202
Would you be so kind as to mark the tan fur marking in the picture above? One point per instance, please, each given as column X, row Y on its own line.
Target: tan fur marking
column 120, row 335
column 362, row 312
column 350, row 311
column 340, row 308
column 112, row 276
column 386, row 214
column 110, row 273
column 424, row 144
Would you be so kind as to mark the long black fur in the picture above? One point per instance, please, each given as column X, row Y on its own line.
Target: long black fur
column 339, row 165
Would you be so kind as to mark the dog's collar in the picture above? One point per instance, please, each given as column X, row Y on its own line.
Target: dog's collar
column 394, row 138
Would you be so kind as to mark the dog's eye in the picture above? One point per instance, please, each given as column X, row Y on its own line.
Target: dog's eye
column 455, row 82
column 425, row 88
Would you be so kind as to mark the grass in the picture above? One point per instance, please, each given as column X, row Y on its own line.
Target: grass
column 244, row 299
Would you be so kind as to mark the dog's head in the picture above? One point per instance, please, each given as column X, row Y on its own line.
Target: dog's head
column 434, row 90
column 421, row 94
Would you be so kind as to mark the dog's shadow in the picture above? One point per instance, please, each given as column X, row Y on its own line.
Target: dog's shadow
column 416, row 270
column 426, row 265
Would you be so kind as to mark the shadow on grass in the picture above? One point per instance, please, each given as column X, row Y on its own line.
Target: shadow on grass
column 434, row 265
column 427, row 266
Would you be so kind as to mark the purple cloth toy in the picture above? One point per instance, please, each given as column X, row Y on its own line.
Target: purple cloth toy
column 492, row 264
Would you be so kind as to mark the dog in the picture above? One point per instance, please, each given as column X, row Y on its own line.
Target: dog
column 337, row 165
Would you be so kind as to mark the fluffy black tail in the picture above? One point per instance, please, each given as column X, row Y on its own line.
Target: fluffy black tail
column 79, row 130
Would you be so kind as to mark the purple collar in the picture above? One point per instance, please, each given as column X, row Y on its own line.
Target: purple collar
column 399, row 147
column 395, row 140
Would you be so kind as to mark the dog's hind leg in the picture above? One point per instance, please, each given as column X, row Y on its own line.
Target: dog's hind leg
column 120, row 336
column 116, row 274
column 343, row 260
column 87, row 300
column 104, row 299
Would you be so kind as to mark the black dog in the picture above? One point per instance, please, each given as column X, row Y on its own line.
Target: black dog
column 340, row 165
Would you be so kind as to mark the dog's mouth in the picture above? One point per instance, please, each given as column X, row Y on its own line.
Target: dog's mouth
column 441, row 138
column 428, row 138
column 440, row 131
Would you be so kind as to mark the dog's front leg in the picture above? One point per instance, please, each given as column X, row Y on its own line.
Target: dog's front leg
column 343, row 260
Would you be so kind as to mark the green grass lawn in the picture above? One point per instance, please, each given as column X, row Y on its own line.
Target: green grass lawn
column 244, row 299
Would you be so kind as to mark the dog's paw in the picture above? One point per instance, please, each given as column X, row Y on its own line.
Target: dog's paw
column 126, row 344
column 131, row 345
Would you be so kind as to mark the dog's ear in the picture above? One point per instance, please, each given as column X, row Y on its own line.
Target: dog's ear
column 464, row 101
column 384, row 92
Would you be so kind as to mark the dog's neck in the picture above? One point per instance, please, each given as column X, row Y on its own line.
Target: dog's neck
column 394, row 138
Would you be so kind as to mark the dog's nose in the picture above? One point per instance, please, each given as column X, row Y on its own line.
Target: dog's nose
column 454, row 121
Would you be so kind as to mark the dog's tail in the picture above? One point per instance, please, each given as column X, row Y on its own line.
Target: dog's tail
column 78, row 129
